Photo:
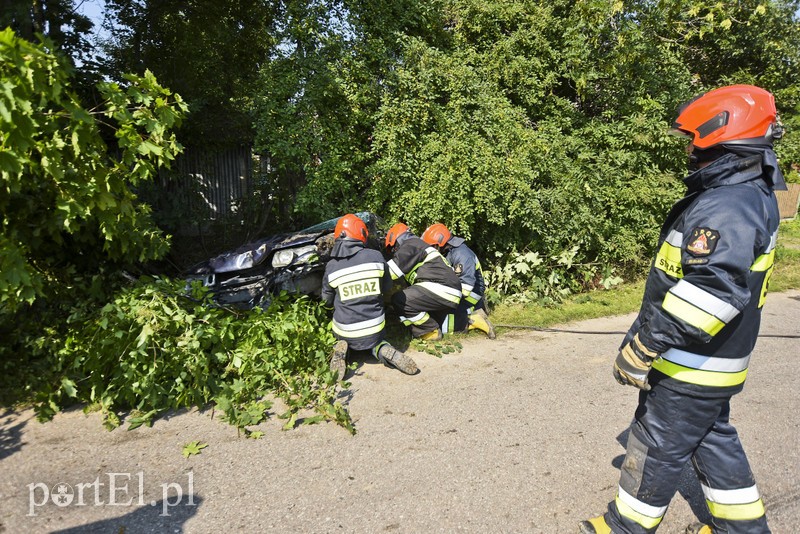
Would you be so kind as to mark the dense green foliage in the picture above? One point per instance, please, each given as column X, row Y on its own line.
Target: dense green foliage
column 152, row 348
column 58, row 20
column 67, row 202
column 316, row 106
column 526, row 126
column 542, row 127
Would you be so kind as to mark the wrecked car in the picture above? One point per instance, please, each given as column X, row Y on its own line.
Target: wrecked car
column 295, row 262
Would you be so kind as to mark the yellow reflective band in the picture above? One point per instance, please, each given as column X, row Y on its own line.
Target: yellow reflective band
column 448, row 327
column 696, row 376
column 394, row 270
column 417, row 319
column 447, row 293
column 706, row 363
column 359, row 333
column 668, row 260
column 630, row 513
column 692, row 314
column 472, row 298
column 736, row 512
column 356, row 276
column 704, row 300
column 764, row 262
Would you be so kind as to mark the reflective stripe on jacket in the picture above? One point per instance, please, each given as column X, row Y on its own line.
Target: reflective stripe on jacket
column 354, row 283
column 707, row 284
column 422, row 265
column 466, row 265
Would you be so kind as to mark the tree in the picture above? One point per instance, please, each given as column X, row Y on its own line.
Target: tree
column 542, row 126
column 67, row 201
column 207, row 51
column 319, row 95
column 58, row 20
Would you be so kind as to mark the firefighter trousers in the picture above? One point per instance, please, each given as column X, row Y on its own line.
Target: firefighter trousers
column 669, row 429
column 458, row 320
column 421, row 309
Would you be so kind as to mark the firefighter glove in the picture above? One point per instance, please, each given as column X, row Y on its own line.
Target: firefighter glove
column 633, row 363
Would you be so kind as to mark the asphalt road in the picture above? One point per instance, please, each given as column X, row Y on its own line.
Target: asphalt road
column 519, row 434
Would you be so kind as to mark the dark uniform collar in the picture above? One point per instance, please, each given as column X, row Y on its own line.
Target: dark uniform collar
column 729, row 169
column 346, row 247
column 741, row 163
column 456, row 241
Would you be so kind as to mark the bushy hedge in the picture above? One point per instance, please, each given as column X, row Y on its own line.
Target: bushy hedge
column 528, row 127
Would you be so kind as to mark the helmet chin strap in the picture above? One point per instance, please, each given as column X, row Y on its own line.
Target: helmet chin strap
column 692, row 166
column 701, row 157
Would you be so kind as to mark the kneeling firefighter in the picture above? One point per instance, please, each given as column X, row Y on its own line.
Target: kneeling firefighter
column 354, row 282
column 433, row 287
column 689, row 348
column 471, row 311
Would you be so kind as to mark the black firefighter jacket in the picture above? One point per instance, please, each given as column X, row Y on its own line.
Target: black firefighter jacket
column 703, row 297
column 354, row 282
column 422, row 265
column 468, row 268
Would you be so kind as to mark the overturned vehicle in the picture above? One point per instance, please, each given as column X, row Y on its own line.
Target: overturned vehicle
column 295, row 262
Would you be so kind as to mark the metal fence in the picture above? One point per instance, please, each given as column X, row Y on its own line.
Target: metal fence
column 209, row 184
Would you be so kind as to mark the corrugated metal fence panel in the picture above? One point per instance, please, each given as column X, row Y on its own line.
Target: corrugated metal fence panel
column 210, row 184
column 788, row 200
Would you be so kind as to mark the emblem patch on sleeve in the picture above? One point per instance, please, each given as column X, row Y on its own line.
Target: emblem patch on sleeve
column 458, row 269
column 703, row 241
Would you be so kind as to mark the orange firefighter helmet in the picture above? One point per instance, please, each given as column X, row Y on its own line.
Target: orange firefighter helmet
column 735, row 114
column 352, row 227
column 394, row 232
column 437, row 234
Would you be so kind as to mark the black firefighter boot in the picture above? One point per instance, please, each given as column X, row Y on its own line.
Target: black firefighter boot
column 392, row 357
column 339, row 359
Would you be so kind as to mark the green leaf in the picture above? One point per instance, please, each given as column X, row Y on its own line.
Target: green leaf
column 144, row 419
column 68, row 387
column 193, row 447
column 144, row 335
column 290, row 424
column 313, row 420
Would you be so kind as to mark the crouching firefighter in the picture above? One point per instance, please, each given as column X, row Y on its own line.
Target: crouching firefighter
column 354, row 282
column 471, row 311
column 434, row 289
column 689, row 348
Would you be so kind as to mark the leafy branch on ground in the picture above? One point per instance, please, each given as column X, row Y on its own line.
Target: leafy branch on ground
column 447, row 345
column 154, row 348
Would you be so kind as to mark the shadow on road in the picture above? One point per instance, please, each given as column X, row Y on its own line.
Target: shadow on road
column 10, row 433
column 162, row 516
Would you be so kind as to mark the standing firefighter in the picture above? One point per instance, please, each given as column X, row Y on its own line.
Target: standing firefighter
column 689, row 348
column 354, row 283
column 433, row 287
column 471, row 311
